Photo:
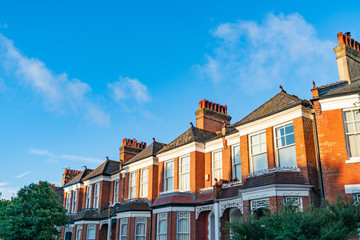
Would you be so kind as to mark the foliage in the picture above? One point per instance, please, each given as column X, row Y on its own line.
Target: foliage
column 33, row 214
column 337, row 221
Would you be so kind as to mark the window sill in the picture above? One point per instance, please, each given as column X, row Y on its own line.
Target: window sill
column 353, row 160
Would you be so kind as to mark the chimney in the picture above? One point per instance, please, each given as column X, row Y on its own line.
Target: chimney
column 211, row 116
column 68, row 175
column 129, row 148
column 348, row 57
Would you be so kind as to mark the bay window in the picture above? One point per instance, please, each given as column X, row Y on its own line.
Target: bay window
column 352, row 130
column 162, row 226
column 140, row 228
column 123, row 228
column 90, row 231
column 183, row 226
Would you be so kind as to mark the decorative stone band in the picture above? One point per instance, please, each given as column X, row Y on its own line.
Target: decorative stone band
column 238, row 203
column 175, row 191
column 275, row 169
column 204, row 208
column 231, row 184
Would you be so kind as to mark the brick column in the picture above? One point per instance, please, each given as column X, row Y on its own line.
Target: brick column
column 153, row 182
column 226, row 163
column 176, row 173
column 197, row 170
column 161, row 177
column 270, row 147
column 138, row 175
column 208, row 164
column 245, row 157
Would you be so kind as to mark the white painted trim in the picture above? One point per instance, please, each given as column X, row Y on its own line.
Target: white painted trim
column 133, row 214
column 73, row 187
column 86, row 222
column 275, row 119
column 97, row 179
column 180, row 151
column 173, row 209
column 115, row 177
column 275, row 190
column 214, row 145
column 353, row 188
column 353, row 160
column 339, row 102
column 233, row 139
column 250, row 152
column 147, row 162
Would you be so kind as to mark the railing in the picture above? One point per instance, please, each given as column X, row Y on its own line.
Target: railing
column 275, row 169
column 231, row 184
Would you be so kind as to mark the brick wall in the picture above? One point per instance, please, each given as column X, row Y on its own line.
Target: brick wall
column 245, row 157
column 197, row 171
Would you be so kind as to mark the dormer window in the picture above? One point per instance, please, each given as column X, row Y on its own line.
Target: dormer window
column 352, row 129
column 258, row 151
column 285, row 145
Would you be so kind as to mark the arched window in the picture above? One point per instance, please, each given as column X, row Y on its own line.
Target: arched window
column 235, row 215
column 183, row 226
column 123, row 228
column 162, row 226
column 140, row 228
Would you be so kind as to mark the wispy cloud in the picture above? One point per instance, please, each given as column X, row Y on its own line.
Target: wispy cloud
column 59, row 92
column 279, row 49
column 23, row 174
column 3, row 184
column 63, row 156
column 8, row 192
column 128, row 88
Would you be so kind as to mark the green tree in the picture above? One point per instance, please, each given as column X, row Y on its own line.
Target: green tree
column 33, row 214
column 337, row 221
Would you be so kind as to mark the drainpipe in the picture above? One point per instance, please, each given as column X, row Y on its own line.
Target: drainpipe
column 318, row 155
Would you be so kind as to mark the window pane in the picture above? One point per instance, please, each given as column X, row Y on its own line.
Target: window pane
column 354, row 142
column 260, row 162
column 238, row 172
column 348, row 116
column 357, row 115
column 288, row 157
column 290, row 139
column 350, row 128
column 255, row 139
column 236, row 152
column 289, row 128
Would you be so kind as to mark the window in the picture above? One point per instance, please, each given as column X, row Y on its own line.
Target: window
column 88, row 197
column 116, row 191
column 236, row 161
column 260, row 203
column 73, row 207
column 258, row 151
column 132, row 185
column 296, row 201
column 183, row 226
column 356, row 198
column 144, row 183
column 162, row 226
column 140, row 228
column 184, row 173
column 78, row 232
column 285, row 145
column 169, row 176
column 123, row 228
column 67, row 205
column 96, row 195
column 90, row 231
column 216, row 165
column 352, row 127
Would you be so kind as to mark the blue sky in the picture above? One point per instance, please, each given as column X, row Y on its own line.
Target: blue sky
column 76, row 77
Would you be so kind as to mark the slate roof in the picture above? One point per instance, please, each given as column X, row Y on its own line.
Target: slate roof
column 286, row 177
column 229, row 192
column 87, row 214
column 78, row 178
column 108, row 167
column 193, row 134
column 151, row 150
column 136, row 205
column 339, row 88
column 278, row 103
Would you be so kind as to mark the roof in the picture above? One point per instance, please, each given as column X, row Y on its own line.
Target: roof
column 151, row 150
column 87, row 214
column 108, row 167
column 283, row 177
column 339, row 88
column 278, row 103
column 229, row 192
column 78, row 178
column 134, row 205
column 193, row 134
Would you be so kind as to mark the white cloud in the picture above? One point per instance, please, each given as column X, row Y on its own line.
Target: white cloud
column 8, row 192
column 3, row 184
column 127, row 88
column 58, row 90
column 282, row 48
column 63, row 156
column 23, row 174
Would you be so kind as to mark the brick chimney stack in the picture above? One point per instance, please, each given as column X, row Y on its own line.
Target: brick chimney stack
column 211, row 116
column 348, row 57
column 129, row 148
column 68, row 175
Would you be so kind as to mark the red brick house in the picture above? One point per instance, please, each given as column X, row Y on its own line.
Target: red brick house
column 220, row 171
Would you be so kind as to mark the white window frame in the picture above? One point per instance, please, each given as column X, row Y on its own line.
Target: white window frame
column 277, row 155
column 74, row 200
column 144, row 183
column 252, row 167
column 297, row 201
column 90, row 227
column 166, row 178
column 356, row 197
column 123, row 221
column 161, row 217
column 184, row 174
column 78, row 232
column 260, row 203
column 116, row 191
column 186, row 216
column 140, row 220
column 132, row 185
column 67, row 203
column 356, row 158
column 96, row 195
column 234, row 165
column 213, row 165
column 88, row 197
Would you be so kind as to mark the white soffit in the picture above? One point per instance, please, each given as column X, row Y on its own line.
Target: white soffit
column 339, row 102
column 181, row 151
